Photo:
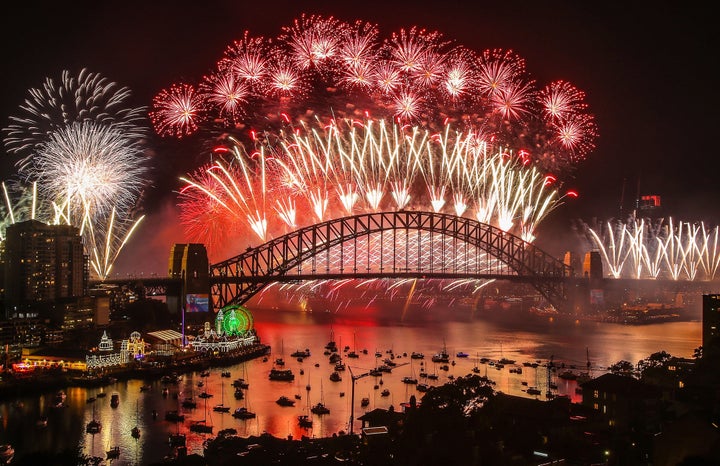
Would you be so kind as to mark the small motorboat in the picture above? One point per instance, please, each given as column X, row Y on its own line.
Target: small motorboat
column 113, row 453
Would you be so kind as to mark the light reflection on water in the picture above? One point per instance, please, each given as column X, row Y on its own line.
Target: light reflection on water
column 287, row 332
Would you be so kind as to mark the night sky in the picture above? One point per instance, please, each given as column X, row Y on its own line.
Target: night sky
column 647, row 68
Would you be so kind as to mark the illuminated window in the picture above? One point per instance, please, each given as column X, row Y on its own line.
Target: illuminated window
column 596, row 394
column 596, row 406
column 604, row 409
column 681, row 384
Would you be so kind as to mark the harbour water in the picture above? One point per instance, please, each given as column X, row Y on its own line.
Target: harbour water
column 366, row 334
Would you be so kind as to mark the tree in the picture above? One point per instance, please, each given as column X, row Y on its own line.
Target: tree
column 622, row 367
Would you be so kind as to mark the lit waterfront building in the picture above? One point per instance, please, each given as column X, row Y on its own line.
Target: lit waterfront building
column 106, row 358
column 233, row 330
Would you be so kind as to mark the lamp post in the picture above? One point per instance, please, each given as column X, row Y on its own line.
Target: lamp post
column 353, row 378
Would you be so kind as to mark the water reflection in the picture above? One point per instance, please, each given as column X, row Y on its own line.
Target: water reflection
column 367, row 335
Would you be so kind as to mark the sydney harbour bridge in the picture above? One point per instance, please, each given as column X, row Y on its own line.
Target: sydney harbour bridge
column 395, row 245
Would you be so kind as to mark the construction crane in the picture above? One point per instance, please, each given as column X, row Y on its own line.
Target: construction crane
column 354, row 377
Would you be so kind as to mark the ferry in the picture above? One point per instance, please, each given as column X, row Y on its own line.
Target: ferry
column 281, row 374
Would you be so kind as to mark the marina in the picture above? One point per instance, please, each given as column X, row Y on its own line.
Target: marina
column 258, row 410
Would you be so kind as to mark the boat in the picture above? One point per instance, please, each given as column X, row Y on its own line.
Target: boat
column 170, row 379
column 93, row 427
column 113, row 453
column 533, row 391
column 165, row 392
column 201, row 427
column 335, row 377
column 304, row 421
column 225, row 374
column 7, row 453
column 331, row 346
column 410, row 380
column 442, row 356
column 320, row 409
column 243, row 413
column 462, row 354
column 281, row 374
column 114, row 400
column 90, row 399
column 59, row 400
column 415, row 355
column 205, row 395
column 174, row 416
column 176, row 440
column 144, row 388
column 240, row 383
column 42, row 421
column 423, row 387
column 365, row 402
column 285, row 401
column 205, row 373
column 221, row 408
column 189, row 403
column 239, row 395
column 301, row 354
column 385, row 392
column 135, row 431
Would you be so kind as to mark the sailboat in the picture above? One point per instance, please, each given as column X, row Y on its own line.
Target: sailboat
column 243, row 412
column 177, row 439
column 410, row 379
column 304, row 420
column 221, row 408
column 135, row 432
column 94, row 426
column 353, row 353
column 320, row 408
column 202, row 426
column 281, row 374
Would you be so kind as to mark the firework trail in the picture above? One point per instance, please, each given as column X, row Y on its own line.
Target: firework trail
column 659, row 249
column 25, row 208
column 349, row 167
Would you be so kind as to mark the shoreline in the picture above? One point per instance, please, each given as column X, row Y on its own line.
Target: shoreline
column 54, row 379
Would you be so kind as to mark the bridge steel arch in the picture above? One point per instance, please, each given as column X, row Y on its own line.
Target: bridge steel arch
column 236, row 280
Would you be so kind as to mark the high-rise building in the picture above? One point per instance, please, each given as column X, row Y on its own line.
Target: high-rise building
column 43, row 264
column 711, row 323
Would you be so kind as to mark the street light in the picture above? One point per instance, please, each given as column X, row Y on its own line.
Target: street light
column 352, row 395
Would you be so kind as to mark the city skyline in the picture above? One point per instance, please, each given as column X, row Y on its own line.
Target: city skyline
column 622, row 57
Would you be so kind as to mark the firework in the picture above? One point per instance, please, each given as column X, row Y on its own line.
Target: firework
column 83, row 149
column 85, row 97
column 414, row 75
column 89, row 164
column 646, row 249
column 177, row 111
